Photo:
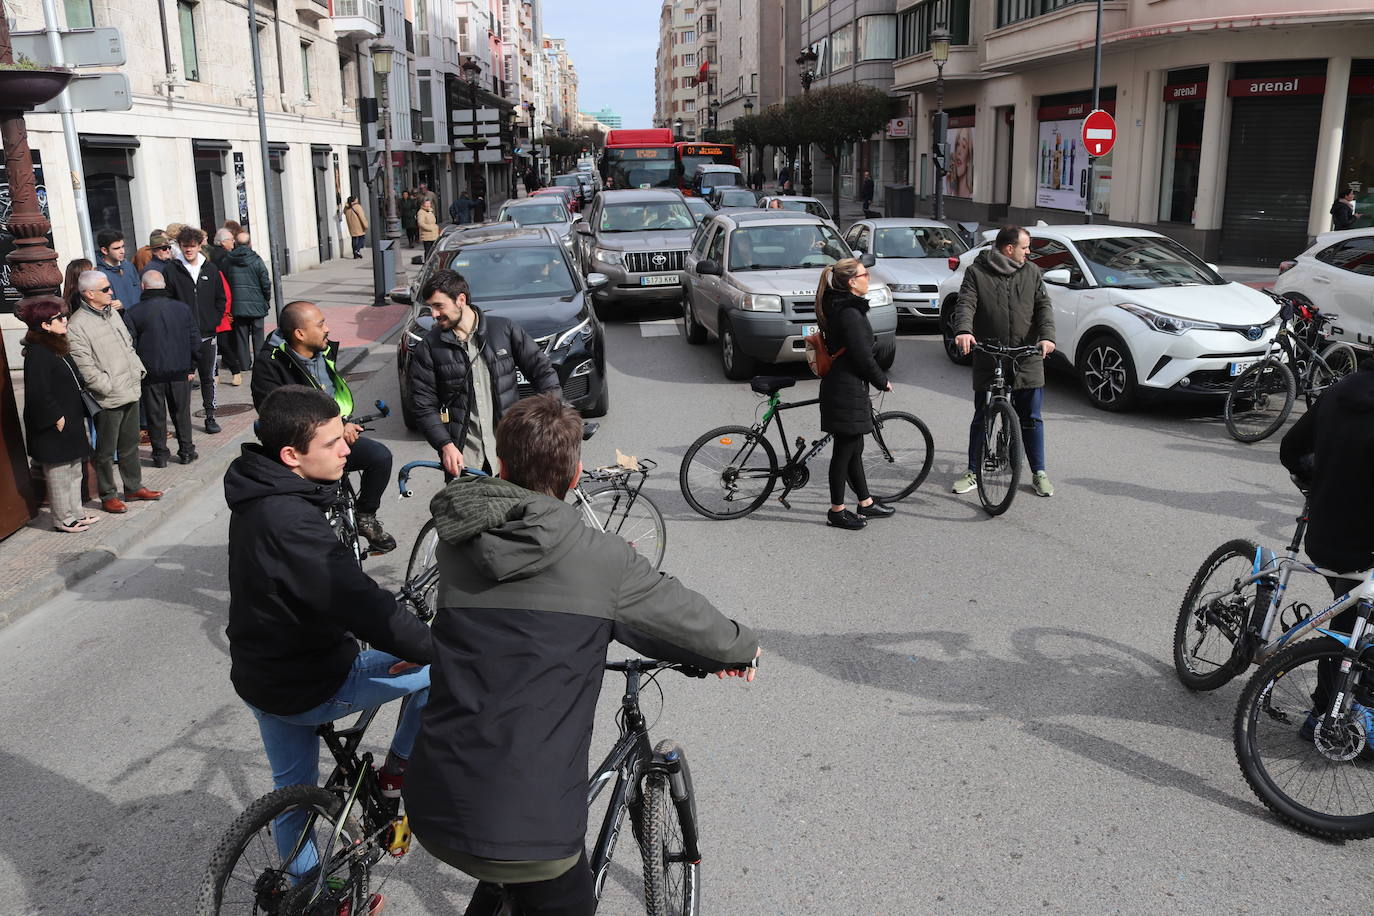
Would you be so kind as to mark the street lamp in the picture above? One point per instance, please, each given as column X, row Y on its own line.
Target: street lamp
column 677, row 129
column 382, row 56
column 514, row 138
column 715, row 115
column 939, row 52
column 806, row 65
column 534, row 159
column 749, row 153
column 471, row 70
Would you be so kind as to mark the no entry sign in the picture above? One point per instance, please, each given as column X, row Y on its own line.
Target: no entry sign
column 1099, row 133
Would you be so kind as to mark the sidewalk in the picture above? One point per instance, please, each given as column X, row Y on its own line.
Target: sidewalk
column 37, row 562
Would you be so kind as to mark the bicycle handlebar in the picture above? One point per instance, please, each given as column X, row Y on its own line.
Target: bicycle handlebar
column 652, row 664
column 1011, row 352
column 403, row 477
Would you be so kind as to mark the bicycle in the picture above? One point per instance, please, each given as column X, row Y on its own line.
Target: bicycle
column 1261, row 398
column 345, row 828
column 999, row 451
column 730, row 471
column 342, row 514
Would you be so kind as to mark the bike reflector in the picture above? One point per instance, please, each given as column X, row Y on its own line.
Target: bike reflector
column 727, row 442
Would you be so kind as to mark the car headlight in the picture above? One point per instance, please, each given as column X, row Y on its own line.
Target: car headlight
column 583, row 327
column 607, row 256
column 752, row 303
column 1166, row 323
column 879, row 295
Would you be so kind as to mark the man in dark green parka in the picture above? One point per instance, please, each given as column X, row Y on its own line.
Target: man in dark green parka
column 251, row 286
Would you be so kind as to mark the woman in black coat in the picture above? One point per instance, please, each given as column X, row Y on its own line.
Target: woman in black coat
column 54, row 415
column 842, row 312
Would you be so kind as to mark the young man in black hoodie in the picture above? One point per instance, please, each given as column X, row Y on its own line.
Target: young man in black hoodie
column 194, row 279
column 299, row 602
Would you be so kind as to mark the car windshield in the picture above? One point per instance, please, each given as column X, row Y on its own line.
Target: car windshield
column 566, row 181
column 719, row 180
column 700, row 208
column 496, row 274
column 737, row 198
column 917, row 242
column 814, row 207
column 785, row 247
column 646, row 217
column 535, row 214
column 1144, row 262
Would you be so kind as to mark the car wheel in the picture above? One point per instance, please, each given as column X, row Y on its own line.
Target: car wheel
column 886, row 352
column 602, row 404
column 947, row 334
column 407, row 411
column 691, row 328
column 1107, row 373
column 737, row 364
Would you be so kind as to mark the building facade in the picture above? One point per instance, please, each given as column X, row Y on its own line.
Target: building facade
column 605, row 116
column 675, row 74
column 708, row 63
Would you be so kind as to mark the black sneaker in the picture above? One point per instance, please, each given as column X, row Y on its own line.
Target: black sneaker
column 159, row 461
column 377, row 538
column 188, row 457
column 876, row 510
column 844, row 519
column 211, row 426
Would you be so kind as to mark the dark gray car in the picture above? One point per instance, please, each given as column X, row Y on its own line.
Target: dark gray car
column 638, row 240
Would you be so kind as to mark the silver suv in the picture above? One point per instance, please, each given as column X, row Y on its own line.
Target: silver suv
column 751, row 281
column 639, row 240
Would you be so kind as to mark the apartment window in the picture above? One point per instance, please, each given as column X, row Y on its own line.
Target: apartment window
column 741, row 47
column 814, row 5
column 79, row 14
column 689, row 60
column 876, row 38
column 688, row 37
column 689, row 106
column 753, row 82
column 422, row 27
column 915, row 24
column 1009, row 11
column 305, row 69
column 842, row 47
column 190, row 61
column 463, row 34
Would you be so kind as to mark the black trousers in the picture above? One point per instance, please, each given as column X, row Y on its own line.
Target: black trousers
column 205, row 369
column 429, row 246
column 229, row 351
column 570, row 894
column 161, row 399
column 847, row 466
column 248, row 336
column 374, row 461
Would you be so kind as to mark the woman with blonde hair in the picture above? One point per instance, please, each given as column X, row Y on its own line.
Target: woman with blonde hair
column 842, row 313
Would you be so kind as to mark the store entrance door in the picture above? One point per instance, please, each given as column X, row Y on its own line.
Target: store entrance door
column 1269, row 178
column 319, row 159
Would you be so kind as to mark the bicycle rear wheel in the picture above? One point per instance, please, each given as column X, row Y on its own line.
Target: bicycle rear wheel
column 1213, row 616
column 1322, row 784
column 1337, row 361
column 900, row 455
column 1260, row 400
column 999, row 465
column 632, row 516
column 249, row 872
column 671, row 882
column 422, row 572
column 728, row 472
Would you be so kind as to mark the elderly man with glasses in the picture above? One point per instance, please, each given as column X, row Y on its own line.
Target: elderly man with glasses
column 104, row 354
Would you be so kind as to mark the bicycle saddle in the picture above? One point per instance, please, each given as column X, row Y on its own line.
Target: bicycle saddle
column 771, row 384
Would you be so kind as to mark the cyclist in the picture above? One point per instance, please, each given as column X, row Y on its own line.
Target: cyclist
column 300, row 352
column 530, row 598
column 298, row 599
column 469, row 359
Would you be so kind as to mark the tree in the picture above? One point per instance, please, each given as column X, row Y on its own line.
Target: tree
column 746, row 136
column 776, row 127
column 836, row 115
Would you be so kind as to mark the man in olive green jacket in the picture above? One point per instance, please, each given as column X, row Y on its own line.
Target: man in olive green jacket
column 1003, row 301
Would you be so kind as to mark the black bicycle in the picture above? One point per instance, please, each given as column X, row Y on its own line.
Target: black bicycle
column 342, row 515
column 999, row 451
column 731, row 470
column 1261, row 397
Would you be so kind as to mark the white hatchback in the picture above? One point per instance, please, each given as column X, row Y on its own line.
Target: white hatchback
column 1135, row 311
column 1337, row 276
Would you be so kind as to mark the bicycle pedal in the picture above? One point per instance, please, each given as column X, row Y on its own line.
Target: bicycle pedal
column 399, row 843
column 785, row 503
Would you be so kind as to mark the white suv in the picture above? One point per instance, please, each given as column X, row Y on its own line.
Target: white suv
column 1337, row 276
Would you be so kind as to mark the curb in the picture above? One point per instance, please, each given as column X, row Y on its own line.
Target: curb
column 126, row 536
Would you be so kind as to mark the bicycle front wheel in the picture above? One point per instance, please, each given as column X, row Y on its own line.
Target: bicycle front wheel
column 728, row 472
column 999, row 466
column 422, row 572
column 1214, row 614
column 1310, row 770
column 671, row 882
column 899, row 457
column 633, row 516
column 1260, row 400
column 269, row 860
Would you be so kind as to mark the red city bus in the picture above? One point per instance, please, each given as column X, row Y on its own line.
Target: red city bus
column 691, row 155
column 645, row 158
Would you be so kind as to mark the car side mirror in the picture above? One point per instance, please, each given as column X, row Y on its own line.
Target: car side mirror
column 581, row 227
column 1214, row 268
column 867, row 260
column 1060, row 276
column 596, row 281
column 400, row 297
column 709, row 268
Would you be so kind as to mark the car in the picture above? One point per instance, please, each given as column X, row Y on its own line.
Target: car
column 540, row 211
column 571, row 200
column 810, row 205
column 638, row 239
column 527, row 275
column 732, row 198
column 912, row 258
column 1336, row 275
column 710, row 175
column 700, row 208
column 577, row 182
column 1135, row 313
column 751, row 283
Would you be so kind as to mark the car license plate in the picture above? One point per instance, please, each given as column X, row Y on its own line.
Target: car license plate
column 1238, row 367
column 809, row 329
column 660, row 280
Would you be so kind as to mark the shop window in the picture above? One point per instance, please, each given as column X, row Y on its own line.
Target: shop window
column 1182, row 161
column 190, row 59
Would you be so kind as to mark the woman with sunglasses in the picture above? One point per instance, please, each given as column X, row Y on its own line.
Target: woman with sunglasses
column 842, row 313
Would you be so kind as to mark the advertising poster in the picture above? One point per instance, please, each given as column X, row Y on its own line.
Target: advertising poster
column 1061, row 166
column 241, row 189
column 9, row 296
column 959, row 177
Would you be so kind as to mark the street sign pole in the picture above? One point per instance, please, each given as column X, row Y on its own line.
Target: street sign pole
column 1097, row 84
column 266, row 157
column 76, row 170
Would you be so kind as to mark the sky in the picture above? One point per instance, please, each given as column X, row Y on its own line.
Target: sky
column 613, row 46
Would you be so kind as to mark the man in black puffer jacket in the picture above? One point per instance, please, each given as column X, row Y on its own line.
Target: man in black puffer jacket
column 194, row 279
column 462, row 375
column 168, row 341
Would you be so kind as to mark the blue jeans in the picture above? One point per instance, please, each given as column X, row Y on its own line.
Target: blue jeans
column 1027, row 402
column 293, row 748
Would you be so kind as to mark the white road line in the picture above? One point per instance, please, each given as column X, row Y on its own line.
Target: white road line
column 664, row 327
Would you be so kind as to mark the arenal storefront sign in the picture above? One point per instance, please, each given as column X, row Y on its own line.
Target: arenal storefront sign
column 1076, row 111
column 1185, row 92
column 961, row 121
column 1270, row 86
column 1362, row 85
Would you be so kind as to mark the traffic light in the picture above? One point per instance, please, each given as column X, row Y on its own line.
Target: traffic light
column 939, row 129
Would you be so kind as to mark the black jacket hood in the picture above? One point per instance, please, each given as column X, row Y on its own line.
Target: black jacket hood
column 503, row 529
column 255, row 476
column 1357, row 394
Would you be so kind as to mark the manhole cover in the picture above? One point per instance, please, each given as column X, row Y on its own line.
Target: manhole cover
column 228, row 410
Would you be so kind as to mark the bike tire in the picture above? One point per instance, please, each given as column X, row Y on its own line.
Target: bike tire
column 999, row 472
column 639, row 521
column 900, row 456
column 239, row 880
column 1272, row 708
column 671, row 883
column 422, row 572
column 1208, row 663
column 1337, row 360
column 711, row 469
column 1260, row 400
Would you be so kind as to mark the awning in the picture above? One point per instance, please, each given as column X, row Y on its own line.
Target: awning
column 109, row 141
column 211, row 144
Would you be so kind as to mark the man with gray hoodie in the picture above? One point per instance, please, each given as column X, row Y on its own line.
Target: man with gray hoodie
column 529, row 599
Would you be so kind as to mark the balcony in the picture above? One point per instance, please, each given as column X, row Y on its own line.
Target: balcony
column 312, row 11
column 1065, row 29
column 356, row 18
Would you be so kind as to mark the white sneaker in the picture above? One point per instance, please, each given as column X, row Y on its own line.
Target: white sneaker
column 1041, row 481
column 966, row 483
